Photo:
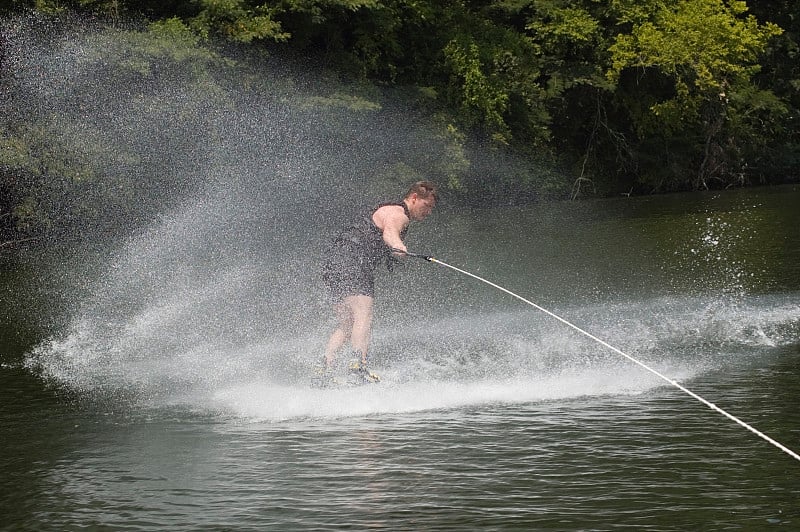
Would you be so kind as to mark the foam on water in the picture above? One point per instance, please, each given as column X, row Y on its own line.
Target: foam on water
column 557, row 366
column 461, row 361
column 263, row 402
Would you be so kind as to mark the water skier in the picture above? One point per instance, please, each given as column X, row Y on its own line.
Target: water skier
column 349, row 269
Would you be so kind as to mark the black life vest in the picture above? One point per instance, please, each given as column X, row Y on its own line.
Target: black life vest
column 366, row 239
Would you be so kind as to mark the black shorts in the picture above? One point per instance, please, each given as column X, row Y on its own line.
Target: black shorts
column 347, row 273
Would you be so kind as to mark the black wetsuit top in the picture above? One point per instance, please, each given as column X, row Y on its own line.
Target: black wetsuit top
column 367, row 237
column 355, row 255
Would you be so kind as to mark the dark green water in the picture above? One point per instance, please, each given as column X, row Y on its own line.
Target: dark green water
column 151, row 399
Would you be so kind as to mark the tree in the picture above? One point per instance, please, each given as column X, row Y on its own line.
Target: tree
column 778, row 159
column 625, row 95
column 707, row 52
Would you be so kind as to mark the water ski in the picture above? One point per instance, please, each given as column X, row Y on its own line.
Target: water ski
column 356, row 374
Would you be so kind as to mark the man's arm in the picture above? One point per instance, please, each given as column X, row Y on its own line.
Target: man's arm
column 391, row 220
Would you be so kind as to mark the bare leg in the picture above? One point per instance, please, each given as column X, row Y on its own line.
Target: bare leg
column 355, row 324
column 342, row 332
column 361, row 312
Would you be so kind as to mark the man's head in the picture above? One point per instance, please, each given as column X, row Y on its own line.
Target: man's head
column 421, row 198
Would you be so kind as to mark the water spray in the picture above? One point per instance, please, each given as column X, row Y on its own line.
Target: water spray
column 614, row 349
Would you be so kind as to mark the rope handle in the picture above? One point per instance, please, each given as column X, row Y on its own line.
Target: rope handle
column 415, row 255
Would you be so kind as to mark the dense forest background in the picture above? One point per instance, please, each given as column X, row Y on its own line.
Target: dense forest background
column 587, row 97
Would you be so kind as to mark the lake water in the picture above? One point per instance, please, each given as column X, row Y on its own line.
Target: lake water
column 141, row 390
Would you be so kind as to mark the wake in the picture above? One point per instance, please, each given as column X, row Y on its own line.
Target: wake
column 453, row 362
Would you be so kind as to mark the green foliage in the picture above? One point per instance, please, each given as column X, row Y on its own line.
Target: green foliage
column 453, row 162
column 65, row 160
column 444, row 160
column 482, row 95
column 177, row 33
column 340, row 100
column 234, row 20
column 13, row 150
column 780, row 73
column 50, row 6
column 110, row 8
column 701, row 44
column 630, row 95
column 562, row 25
column 708, row 49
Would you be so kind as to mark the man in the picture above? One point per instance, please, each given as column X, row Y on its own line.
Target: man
column 349, row 269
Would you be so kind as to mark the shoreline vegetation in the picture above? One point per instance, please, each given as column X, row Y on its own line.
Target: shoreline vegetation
column 517, row 102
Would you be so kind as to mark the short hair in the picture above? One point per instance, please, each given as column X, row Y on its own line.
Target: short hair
column 424, row 190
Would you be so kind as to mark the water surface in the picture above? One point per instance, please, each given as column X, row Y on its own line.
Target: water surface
column 164, row 400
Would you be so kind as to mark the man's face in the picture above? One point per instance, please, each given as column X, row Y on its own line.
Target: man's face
column 419, row 208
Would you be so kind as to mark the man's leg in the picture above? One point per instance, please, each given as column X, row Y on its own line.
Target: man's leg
column 361, row 312
column 342, row 333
